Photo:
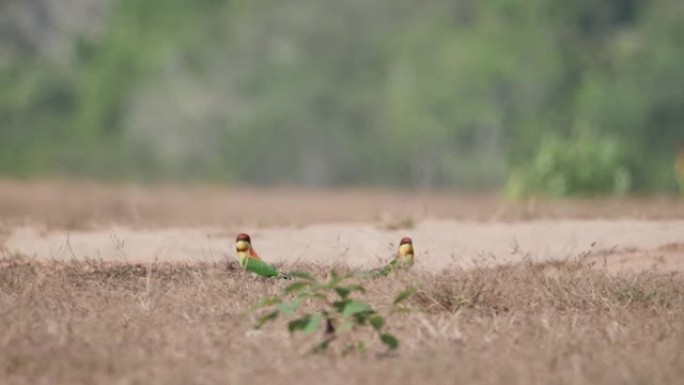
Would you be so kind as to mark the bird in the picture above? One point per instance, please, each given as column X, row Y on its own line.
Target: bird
column 249, row 259
column 402, row 260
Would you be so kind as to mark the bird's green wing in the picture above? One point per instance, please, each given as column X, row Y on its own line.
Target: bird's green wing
column 383, row 272
column 260, row 268
column 263, row 269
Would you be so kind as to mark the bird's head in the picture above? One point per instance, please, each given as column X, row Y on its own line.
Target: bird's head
column 243, row 243
column 406, row 247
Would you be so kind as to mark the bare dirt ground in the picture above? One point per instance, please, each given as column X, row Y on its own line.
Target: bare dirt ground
column 87, row 205
column 59, row 220
column 624, row 244
column 126, row 284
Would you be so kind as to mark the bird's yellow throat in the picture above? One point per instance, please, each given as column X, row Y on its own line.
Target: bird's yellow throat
column 242, row 246
column 406, row 253
column 242, row 249
column 406, row 249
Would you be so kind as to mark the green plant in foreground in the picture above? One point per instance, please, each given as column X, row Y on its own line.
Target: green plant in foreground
column 333, row 310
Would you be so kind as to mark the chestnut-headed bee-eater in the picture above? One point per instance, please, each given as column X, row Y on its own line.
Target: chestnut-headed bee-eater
column 402, row 260
column 249, row 259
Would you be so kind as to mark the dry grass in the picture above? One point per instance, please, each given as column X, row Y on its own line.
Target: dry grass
column 561, row 323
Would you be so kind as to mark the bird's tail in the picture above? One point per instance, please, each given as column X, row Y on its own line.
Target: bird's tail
column 375, row 273
column 282, row 275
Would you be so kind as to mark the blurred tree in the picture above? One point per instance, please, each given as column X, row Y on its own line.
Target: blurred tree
column 679, row 168
column 546, row 97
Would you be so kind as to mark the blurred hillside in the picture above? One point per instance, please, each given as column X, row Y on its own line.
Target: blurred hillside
column 535, row 96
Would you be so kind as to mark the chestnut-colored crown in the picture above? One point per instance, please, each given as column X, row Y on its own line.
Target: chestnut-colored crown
column 243, row 237
column 406, row 241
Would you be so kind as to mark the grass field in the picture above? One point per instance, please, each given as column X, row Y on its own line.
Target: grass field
column 607, row 310
column 562, row 323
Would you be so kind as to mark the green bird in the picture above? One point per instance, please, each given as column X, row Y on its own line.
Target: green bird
column 249, row 259
column 402, row 260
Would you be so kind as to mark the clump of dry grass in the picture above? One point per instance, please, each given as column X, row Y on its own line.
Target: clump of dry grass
column 563, row 323
column 559, row 286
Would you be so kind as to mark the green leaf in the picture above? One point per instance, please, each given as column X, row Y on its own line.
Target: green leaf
column 355, row 307
column 346, row 325
column 390, row 341
column 302, row 275
column 295, row 287
column 404, row 295
column 298, row 324
column 361, row 318
column 377, row 322
column 266, row 318
column 290, row 307
column 343, row 292
column 340, row 305
column 314, row 323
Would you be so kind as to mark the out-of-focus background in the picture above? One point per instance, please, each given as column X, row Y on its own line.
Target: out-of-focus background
column 545, row 97
column 532, row 149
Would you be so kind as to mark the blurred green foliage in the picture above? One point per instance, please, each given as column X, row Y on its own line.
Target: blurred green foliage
column 583, row 164
column 537, row 96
